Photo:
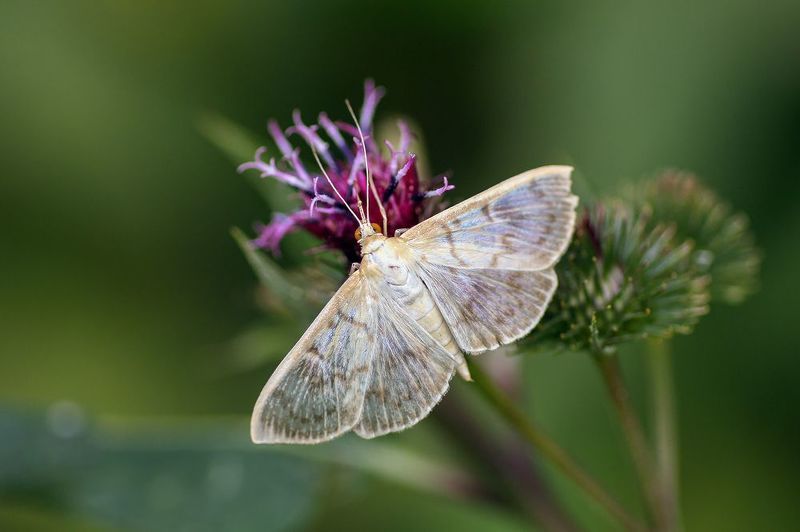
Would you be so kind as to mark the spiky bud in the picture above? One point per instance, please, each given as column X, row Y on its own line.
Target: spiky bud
column 623, row 278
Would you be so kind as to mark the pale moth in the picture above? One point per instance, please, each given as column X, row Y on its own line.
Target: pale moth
column 382, row 352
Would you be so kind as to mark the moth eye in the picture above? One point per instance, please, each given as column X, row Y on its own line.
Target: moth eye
column 358, row 234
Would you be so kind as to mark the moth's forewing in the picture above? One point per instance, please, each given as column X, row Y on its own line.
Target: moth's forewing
column 524, row 223
column 488, row 261
column 317, row 391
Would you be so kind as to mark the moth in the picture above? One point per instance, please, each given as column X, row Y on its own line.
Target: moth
column 381, row 354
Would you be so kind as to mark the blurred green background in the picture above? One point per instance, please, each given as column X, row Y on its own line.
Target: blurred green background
column 121, row 289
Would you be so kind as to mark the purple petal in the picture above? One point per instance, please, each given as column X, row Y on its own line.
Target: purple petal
column 372, row 95
column 394, row 156
column 350, row 129
column 405, row 135
column 405, row 142
column 406, row 167
column 439, row 191
column 289, row 153
column 256, row 163
column 280, row 139
column 270, row 169
column 327, row 210
column 357, row 166
column 270, row 236
column 294, row 162
column 309, row 134
column 398, row 176
column 319, row 197
column 335, row 135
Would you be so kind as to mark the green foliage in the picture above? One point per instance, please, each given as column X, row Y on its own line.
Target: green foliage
column 281, row 294
column 184, row 475
column 198, row 477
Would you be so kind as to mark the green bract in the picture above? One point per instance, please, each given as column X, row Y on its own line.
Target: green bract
column 724, row 245
column 649, row 265
column 623, row 278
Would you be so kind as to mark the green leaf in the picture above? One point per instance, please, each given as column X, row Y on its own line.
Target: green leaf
column 261, row 344
column 174, row 474
column 395, row 463
column 283, row 295
column 162, row 478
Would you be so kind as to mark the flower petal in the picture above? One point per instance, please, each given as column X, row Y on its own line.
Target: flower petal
column 270, row 235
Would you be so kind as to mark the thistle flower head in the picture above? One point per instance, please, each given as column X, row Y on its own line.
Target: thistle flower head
column 649, row 265
column 724, row 245
column 622, row 279
column 330, row 194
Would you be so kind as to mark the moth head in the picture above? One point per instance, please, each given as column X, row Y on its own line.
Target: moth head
column 370, row 238
column 365, row 230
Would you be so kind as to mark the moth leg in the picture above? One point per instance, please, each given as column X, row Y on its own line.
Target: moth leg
column 354, row 267
column 398, row 232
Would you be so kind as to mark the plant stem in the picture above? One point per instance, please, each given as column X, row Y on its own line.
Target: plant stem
column 505, row 459
column 634, row 435
column 666, row 441
column 547, row 448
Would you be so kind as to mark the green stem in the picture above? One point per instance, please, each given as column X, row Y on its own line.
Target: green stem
column 666, row 441
column 547, row 448
column 634, row 435
column 506, row 459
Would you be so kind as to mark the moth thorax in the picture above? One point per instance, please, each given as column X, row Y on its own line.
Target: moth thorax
column 388, row 258
column 371, row 243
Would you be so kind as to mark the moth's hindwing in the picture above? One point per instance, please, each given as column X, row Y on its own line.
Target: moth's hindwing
column 410, row 371
column 487, row 308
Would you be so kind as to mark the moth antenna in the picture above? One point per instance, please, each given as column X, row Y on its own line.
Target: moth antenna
column 370, row 182
column 330, row 182
column 358, row 202
column 364, row 147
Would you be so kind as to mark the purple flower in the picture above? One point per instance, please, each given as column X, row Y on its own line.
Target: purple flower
column 393, row 170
